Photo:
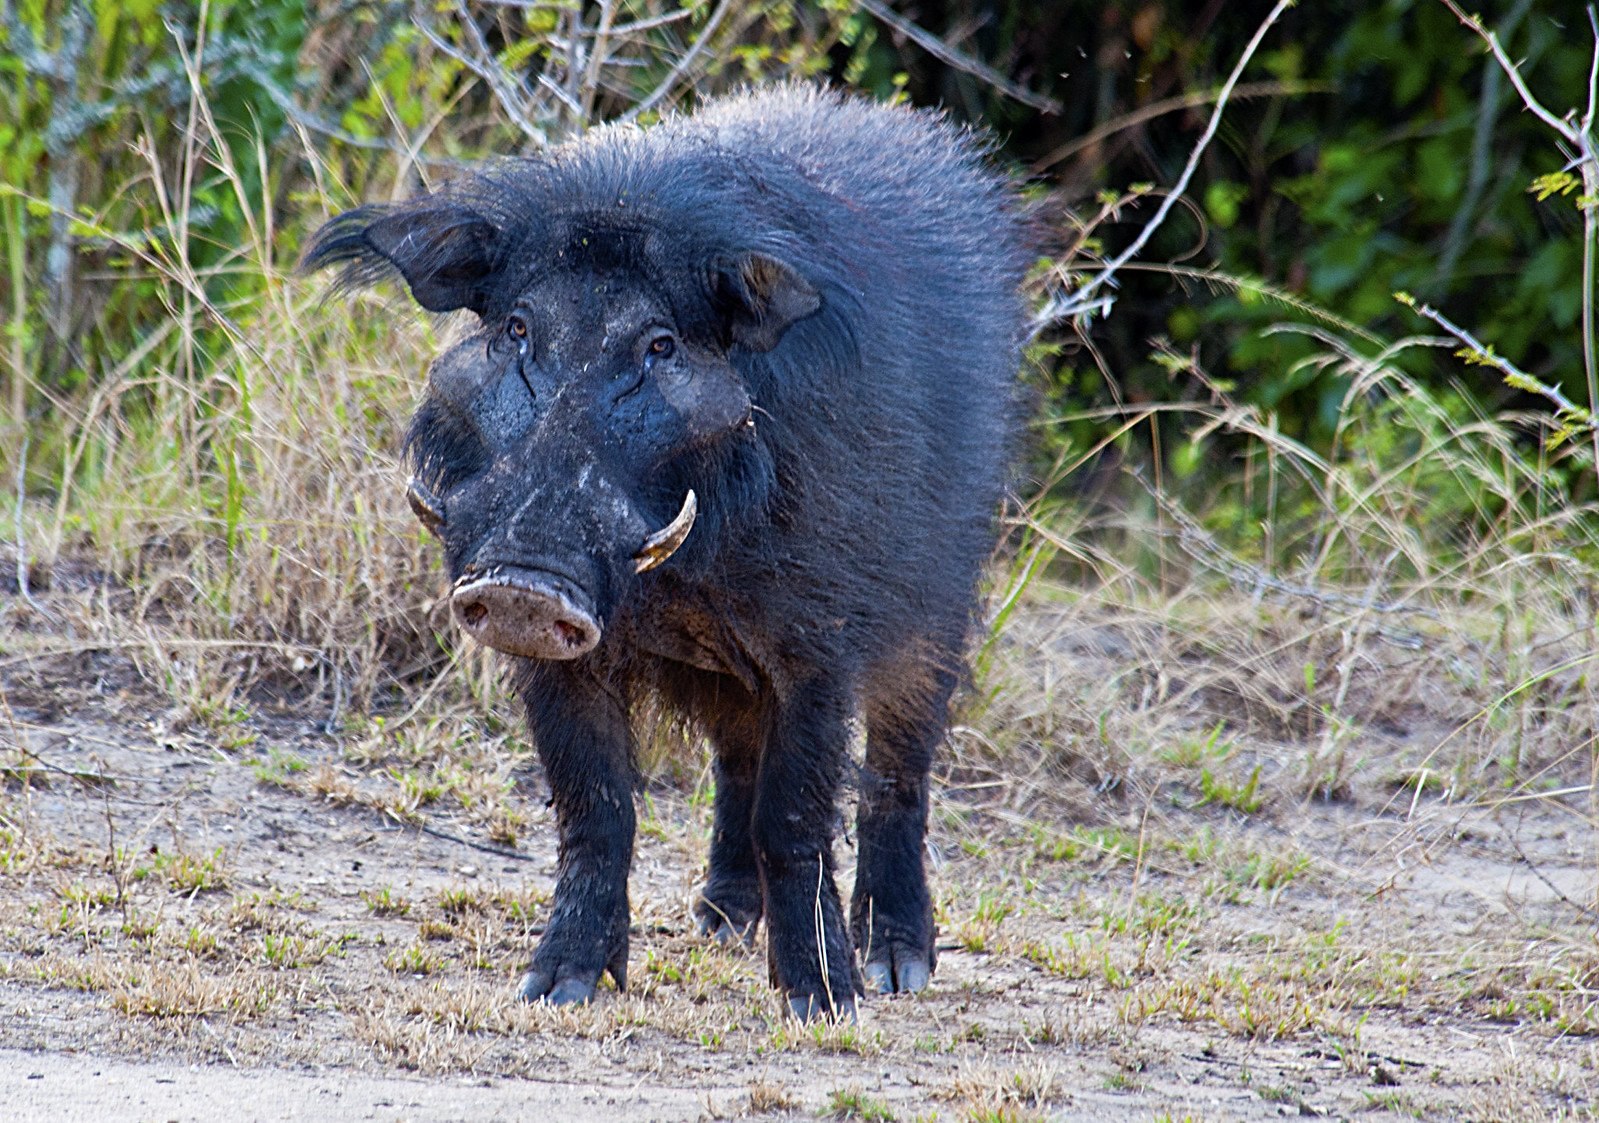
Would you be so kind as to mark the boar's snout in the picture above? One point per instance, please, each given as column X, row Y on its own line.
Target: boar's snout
column 525, row 612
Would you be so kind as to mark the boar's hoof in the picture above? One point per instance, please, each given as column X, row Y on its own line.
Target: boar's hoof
column 725, row 922
column 522, row 612
column 814, row 1008
column 541, row 986
column 896, row 974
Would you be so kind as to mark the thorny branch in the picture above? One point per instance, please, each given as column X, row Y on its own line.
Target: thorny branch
column 1576, row 415
column 1087, row 300
column 1579, row 133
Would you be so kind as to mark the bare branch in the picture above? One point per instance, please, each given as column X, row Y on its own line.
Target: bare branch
column 1088, row 299
column 598, row 50
column 651, row 22
column 486, row 67
column 677, row 72
column 1564, row 128
column 1580, row 135
column 948, row 55
column 1514, row 375
column 1593, row 73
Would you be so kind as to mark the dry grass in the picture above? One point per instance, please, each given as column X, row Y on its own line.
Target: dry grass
column 1286, row 807
column 1107, row 942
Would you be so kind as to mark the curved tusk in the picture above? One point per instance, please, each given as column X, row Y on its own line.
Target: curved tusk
column 427, row 507
column 664, row 542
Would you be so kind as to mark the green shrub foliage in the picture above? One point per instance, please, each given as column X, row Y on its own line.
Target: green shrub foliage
column 1371, row 148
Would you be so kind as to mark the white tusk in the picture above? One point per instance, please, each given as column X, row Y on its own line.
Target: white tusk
column 664, row 542
column 426, row 506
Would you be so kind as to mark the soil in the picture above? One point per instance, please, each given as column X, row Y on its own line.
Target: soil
column 246, row 919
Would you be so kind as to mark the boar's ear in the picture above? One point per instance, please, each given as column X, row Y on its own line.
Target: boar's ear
column 447, row 253
column 761, row 297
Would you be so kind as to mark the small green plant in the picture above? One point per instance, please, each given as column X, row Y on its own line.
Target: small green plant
column 81, row 895
column 844, row 1036
column 435, row 930
column 188, row 874
column 663, row 969
column 1191, row 752
column 201, row 942
column 385, row 902
column 978, row 933
column 853, row 1103
column 287, row 951
column 1269, row 872
column 1004, row 1113
column 458, row 900
column 278, row 768
column 1120, row 1081
column 412, row 960
column 1244, row 797
column 416, row 791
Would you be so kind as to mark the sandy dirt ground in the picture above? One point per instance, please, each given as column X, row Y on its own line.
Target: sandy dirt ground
column 259, row 919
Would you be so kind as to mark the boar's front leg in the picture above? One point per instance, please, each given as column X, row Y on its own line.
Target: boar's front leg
column 582, row 736
column 809, row 951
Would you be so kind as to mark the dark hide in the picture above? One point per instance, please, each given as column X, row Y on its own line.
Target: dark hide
column 804, row 308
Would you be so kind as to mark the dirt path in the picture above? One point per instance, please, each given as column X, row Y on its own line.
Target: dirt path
column 64, row 1087
column 195, row 923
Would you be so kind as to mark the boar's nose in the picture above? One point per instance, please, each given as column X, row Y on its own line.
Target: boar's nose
column 525, row 612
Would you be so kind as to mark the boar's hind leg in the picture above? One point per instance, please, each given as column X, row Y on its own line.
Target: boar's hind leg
column 583, row 739
column 891, row 913
column 808, row 947
column 729, row 907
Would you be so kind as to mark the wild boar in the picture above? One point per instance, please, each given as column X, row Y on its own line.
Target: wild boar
column 730, row 438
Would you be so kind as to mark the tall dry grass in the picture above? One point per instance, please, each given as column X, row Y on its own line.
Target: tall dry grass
column 228, row 501
column 225, row 508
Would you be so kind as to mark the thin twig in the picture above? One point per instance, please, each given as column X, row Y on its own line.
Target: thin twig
column 949, row 56
column 599, row 49
column 22, row 546
column 648, row 23
column 1532, row 867
column 682, row 66
column 1579, row 134
column 1590, row 228
column 486, row 67
column 497, row 851
column 1514, row 375
column 84, row 777
column 1564, row 128
column 1087, row 299
column 1171, row 105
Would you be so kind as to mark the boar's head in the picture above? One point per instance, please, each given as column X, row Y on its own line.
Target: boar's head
column 557, row 448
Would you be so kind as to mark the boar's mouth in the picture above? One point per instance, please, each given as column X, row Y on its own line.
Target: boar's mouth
column 527, row 612
column 536, row 613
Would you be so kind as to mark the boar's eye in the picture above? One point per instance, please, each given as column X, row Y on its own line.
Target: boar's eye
column 661, row 347
column 516, row 329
